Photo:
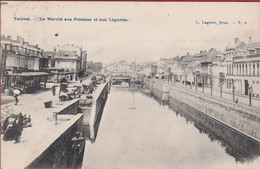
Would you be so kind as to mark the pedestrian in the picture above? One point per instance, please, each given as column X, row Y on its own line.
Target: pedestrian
column 18, row 127
column 15, row 99
column 9, row 133
column 54, row 90
column 16, row 92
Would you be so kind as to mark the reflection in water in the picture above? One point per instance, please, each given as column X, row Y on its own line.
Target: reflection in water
column 241, row 147
column 164, row 135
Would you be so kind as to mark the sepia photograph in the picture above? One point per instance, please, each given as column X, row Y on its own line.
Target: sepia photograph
column 130, row 85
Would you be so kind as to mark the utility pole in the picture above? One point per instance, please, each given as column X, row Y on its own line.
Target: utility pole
column 211, row 85
column 233, row 89
column 203, row 84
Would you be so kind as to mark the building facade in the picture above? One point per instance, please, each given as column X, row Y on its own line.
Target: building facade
column 244, row 70
column 19, row 62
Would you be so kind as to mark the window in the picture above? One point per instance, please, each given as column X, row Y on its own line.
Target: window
column 237, row 69
column 52, row 63
column 240, row 70
column 249, row 69
column 14, row 48
column 258, row 69
column 246, row 69
column 253, row 69
column 251, row 52
column 8, row 47
column 243, row 69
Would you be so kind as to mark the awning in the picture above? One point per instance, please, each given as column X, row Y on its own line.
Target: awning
column 64, row 73
column 29, row 74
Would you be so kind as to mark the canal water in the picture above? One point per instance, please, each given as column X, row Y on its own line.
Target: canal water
column 137, row 130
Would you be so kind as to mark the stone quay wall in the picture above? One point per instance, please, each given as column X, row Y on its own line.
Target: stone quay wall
column 243, row 148
column 99, row 101
column 239, row 118
column 71, row 109
column 61, row 154
column 159, row 89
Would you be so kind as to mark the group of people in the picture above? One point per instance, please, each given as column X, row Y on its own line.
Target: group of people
column 79, row 90
column 13, row 126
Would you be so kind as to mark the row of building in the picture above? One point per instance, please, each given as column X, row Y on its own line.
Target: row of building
column 26, row 66
column 236, row 68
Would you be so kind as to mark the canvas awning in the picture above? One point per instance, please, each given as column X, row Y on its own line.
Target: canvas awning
column 28, row 74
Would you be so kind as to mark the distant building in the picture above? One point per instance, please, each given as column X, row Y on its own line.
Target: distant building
column 69, row 62
column 77, row 51
column 219, row 70
column 94, row 67
column 66, row 63
column 244, row 69
column 230, row 52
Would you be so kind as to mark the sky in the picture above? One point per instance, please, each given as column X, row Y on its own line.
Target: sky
column 153, row 30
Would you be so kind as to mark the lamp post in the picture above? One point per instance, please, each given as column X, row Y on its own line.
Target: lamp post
column 250, row 95
column 211, row 85
column 196, row 85
column 197, row 74
column 221, row 82
column 203, row 84
column 233, row 90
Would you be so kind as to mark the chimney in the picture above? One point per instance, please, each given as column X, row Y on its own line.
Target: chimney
column 236, row 39
column 250, row 39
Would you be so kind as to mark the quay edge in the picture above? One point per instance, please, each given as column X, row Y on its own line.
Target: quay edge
column 236, row 118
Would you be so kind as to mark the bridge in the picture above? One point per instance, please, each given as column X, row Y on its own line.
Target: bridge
column 124, row 74
column 119, row 77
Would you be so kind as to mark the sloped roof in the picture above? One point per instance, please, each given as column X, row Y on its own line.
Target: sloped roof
column 4, row 38
column 210, row 56
column 220, row 57
column 242, row 53
column 46, row 54
column 63, row 53
column 235, row 45
column 186, row 58
column 252, row 46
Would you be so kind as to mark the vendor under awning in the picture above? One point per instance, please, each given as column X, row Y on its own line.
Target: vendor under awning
column 26, row 81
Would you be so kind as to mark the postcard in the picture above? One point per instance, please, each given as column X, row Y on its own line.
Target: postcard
column 131, row 85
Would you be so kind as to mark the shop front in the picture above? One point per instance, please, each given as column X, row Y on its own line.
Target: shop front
column 26, row 82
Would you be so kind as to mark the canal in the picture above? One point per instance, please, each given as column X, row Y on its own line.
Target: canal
column 137, row 130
